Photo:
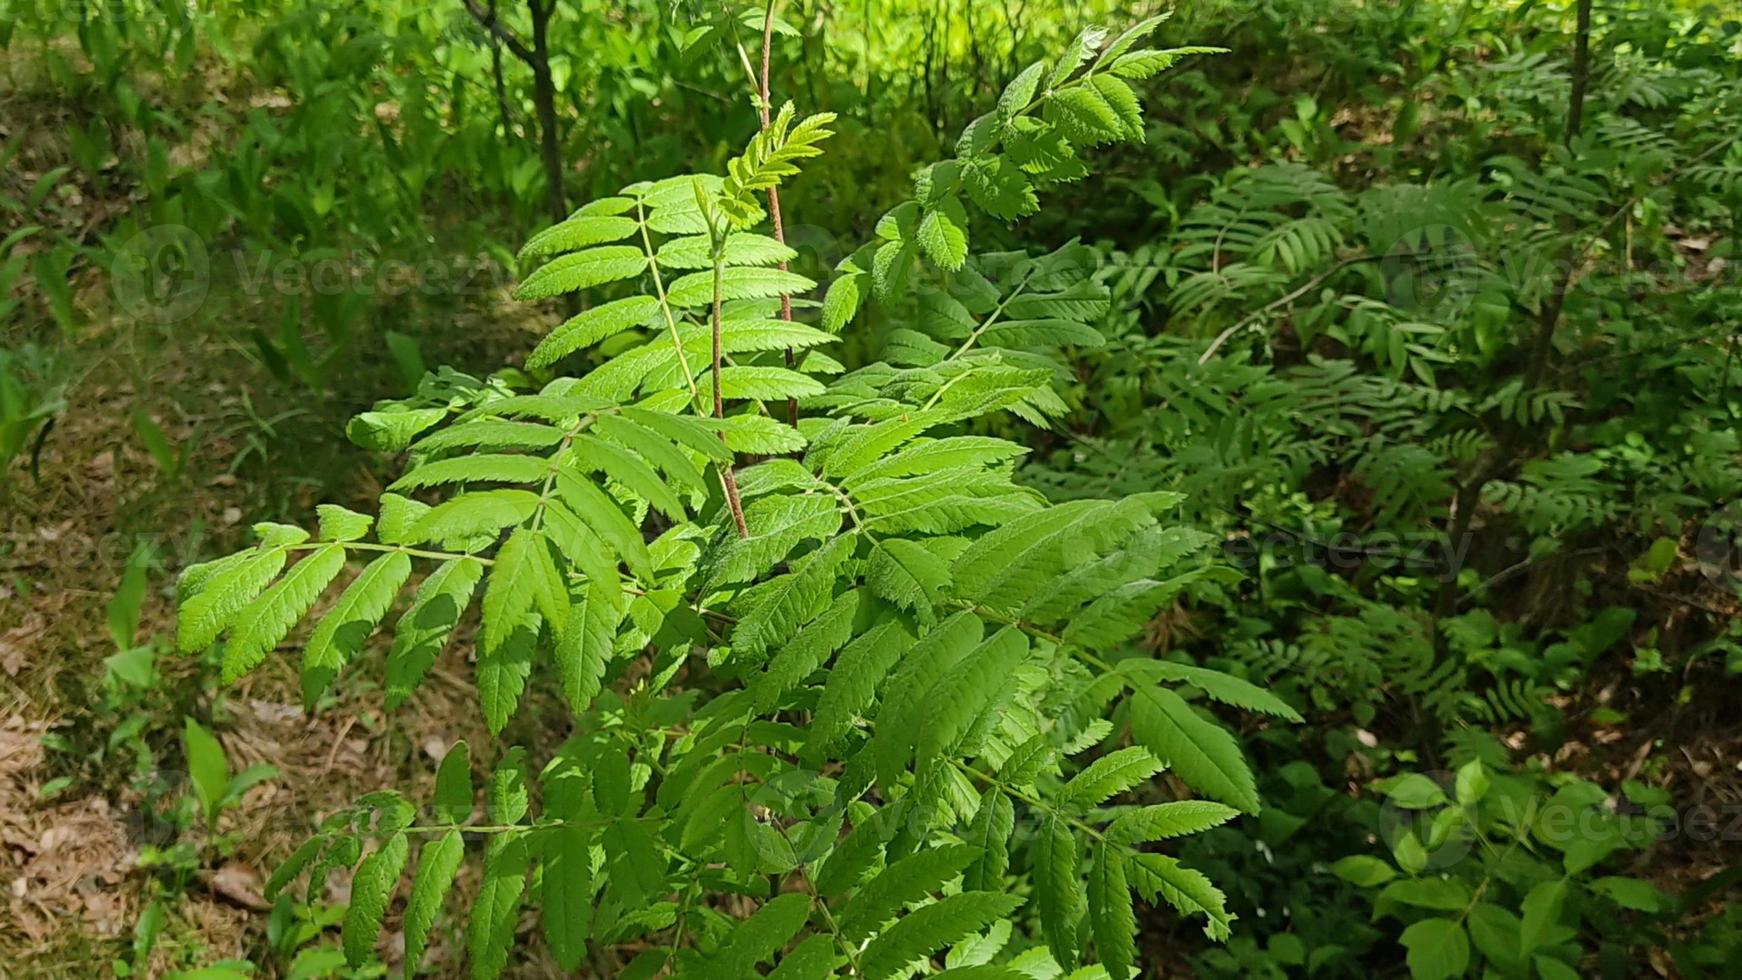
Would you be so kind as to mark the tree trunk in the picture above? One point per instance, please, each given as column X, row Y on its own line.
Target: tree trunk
column 544, row 102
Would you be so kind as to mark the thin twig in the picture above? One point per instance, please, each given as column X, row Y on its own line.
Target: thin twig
column 774, row 192
column 488, row 20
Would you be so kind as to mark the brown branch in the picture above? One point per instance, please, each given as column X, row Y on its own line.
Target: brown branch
column 774, row 192
column 501, row 83
column 1581, row 72
column 728, row 479
column 488, row 20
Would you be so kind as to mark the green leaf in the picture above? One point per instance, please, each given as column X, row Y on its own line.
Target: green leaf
column 371, row 888
column 583, row 270
column 453, row 792
column 989, row 835
column 424, row 628
column 208, row 769
column 1363, row 871
column 656, row 448
column 212, row 594
column 339, row 524
column 1109, row 776
column 758, row 938
column 567, row 894
column 522, row 576
column 265, row 622
column 907, row 574
column 1111, row 917
column 1442, row 894
column 584, row 644
column 841, row 302
column 497, row 907
column 791, row 599
column 853, row 682
column 1082, row 47
column 1630, row 893
column 342, row 631
column 1157, row 876
column 1202, row 753
column 628, row 469
column 1166, row 820
column 697, row 288
column 476, row 468
column 1055, row 860
column 1218, row 686
column 1542, row 912
column 927, row 930
column 1020, row 92
column 1439, row 949
column 813, row 959
column 591, row 326
column 502, row 671
column 902, row 883
column 805, row 652
column 741, row 248
column 437, row 865
column 943, row 234
column 577, row 232
column 473, row 515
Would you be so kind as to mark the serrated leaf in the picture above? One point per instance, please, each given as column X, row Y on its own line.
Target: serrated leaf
column 475, row 468
column 748, row 282
column 453, row 791
column 224, row 590
column 1221, row 687
column 853, row 681
column 339, row 524
column 582, row 270
column 907, row 574
column 592, row 326
column 1159, row 877
column 1054, row 861
column 371, row 888
column 841, row 302
column 265, row 622
column 342, row 631
column 473, row 515
column 424, row 628
column 629, row 470
column 522, row 576
column 758, row 938
column 791, row 599
column 497, row 907
column 502, row 672
column 1201, row 752
column 1109, row 776
column 299, row 859
column 584, row 644
column 437, row 865
column 903, row 883
column 927, row 930
column 1165, row 820
column 567, row 894
column 577, row 232
column 989, row 834
column 943, row 234
column 1111, row 918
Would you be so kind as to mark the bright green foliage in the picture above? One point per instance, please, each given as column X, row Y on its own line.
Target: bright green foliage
column 851, row 698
